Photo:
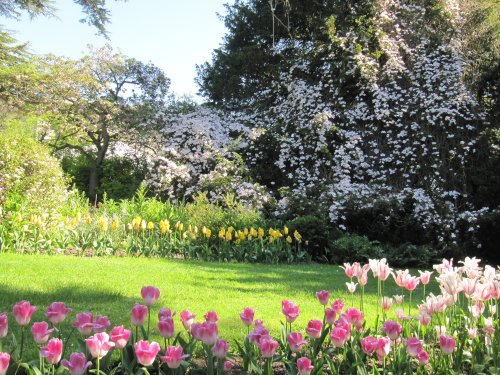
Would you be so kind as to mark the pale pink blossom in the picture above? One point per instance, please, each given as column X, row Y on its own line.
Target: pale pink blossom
column 447, row 344
column 330, row 315
column 339, row 335
column 4, row 362
column 386, row 303
column 425, row 277
column 220, row 348
column 99, row 345
column 52, row 352
column 138, row 315
column 150, row 295
column 392, row 329
column 22, row 312
column 247, row 316
column 146, row 352
column 77, row 364
column 290, row 310
column 383, row 347
column 338, row 306
column 314, row 328
column 206, row 332
column 57, row 312
column 84, row 323
column 187, row 319
column 351, row 287
column 119, row 335
column 41, row 332
column 413, row 346
column 369, row 345
column 166, row 328
column 268, row 347
column 422, row 357
column 323, row 297
column 174, row 356
column 296, row 341
column 304, row 366
column 211, row 316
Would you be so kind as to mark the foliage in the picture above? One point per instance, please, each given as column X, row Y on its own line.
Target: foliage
column 96, row 13
column 31, row 180
column 121, row 177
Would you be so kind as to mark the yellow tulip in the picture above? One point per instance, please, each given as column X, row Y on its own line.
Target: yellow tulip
column 208, row 233
column 289, row 239
column 88, row 220
column 115, row 224
column 285, row 229
column 297, row 236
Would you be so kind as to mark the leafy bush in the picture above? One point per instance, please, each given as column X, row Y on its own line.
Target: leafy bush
column 315, row 233
column 354, row 248
column 120, row 177
column 31, row 179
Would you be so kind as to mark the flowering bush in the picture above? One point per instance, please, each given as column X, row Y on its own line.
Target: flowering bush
column 451, row 333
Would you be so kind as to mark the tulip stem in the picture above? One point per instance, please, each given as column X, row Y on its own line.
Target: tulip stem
column 98, row 365
column 22, row 343
column 149, row 318
column 409, row 306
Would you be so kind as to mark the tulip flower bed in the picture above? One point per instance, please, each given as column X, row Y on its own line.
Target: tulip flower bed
column 450, row 333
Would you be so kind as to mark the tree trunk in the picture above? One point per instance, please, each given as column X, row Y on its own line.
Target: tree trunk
column 102, row 144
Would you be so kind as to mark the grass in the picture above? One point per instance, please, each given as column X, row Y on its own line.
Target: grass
column 110, row 286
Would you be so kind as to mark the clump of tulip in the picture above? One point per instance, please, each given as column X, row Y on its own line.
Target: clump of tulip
column 455, row 331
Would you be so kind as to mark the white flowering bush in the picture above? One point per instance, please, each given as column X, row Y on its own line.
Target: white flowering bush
column 390, row 125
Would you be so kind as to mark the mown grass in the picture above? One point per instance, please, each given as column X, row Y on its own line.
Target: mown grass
column 110, row 286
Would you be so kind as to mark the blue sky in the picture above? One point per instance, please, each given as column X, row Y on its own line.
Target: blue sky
column 175, row 35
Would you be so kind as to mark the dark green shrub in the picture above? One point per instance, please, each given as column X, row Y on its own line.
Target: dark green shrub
column 411, row 256
column 354, row 248
column 120, row 177
column 315, row 233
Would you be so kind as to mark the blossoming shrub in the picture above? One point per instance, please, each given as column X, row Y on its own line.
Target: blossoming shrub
column 455, row 332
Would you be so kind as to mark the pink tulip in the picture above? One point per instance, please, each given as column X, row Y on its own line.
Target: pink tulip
column 257, row 334
column 166, row 328
column 383, row 347
column 304, row 365
column 228, row 366
column 338, row 306
column 138, row 315
column 84, row 323
column 469, row 287
column 4, row 325
column 339, row 336
column 247, row 316
column 22, row 312
column 425, row 277
column 57, row 312
column 150, row 295
column 187, row 319
column 101, row 323
column 220, row 348
column 411, row 283
column 99, row 345
column 386, row 303
column 41, row 332
column 53, row 351
column 211, row 316
column 350, row 270
column 392, row 329
column 363, row 276
column 314, row 328
column 206, row 332
column 447, row 344
column 424, row 319
column 400, row 277
column 323, row 297
column 401, row 314
column 4, row 362
column 413, row 346
column 259, row 323
column 383, row 270
column 369, row 345
column 290, row 310
column 488, row 327
column 399, row 299
column 146, row 352
column 295, row 341
column 268, row 347
column 422, row 357
column 165, row 313
column 472, row 333
column 330, row 316
column 445, row 266
column 77, row 364
column 354, row 316
column 173, row 356
column 119, row 335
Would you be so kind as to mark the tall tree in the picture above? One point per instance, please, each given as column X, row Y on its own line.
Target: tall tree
column 91, row 103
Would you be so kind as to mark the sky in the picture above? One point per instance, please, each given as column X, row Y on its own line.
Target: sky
column 174, row 35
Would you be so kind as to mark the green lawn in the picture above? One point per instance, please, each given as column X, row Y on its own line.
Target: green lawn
column 111, row 286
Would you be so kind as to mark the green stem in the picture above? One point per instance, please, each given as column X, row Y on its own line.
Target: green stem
column 22, row 343
column 53, row 369
column 149, row 318
column 98, row 365
column 409, row 306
